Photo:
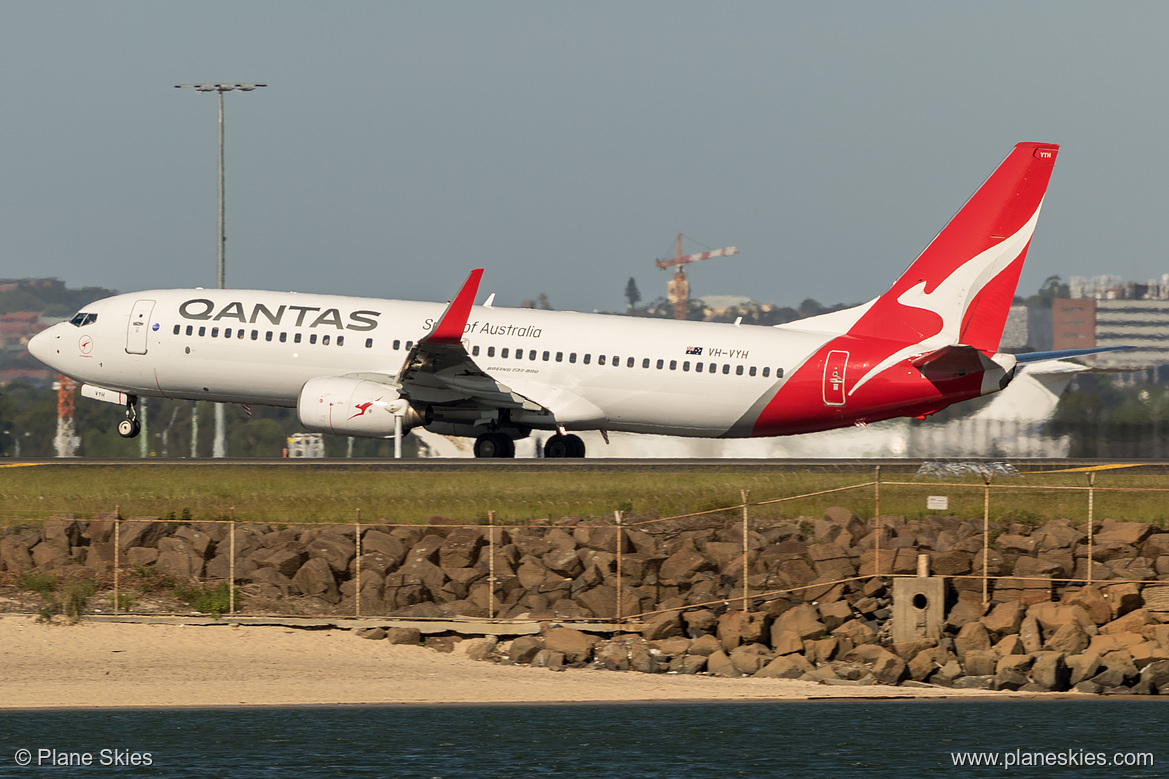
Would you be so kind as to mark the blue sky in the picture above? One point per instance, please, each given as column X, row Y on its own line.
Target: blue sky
column 563, row 145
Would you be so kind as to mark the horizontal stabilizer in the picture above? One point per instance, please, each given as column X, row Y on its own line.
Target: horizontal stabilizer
column 1063, row 354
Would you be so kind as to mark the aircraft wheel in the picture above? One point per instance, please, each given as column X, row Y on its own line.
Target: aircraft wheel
column 494, row 445
column 557, row 446
column 564, row 446
column 129, row 428
column 576, row 447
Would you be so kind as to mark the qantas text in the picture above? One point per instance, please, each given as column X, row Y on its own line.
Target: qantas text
column 298, row 316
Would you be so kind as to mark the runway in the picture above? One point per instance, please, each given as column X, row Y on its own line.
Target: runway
column 888, row 465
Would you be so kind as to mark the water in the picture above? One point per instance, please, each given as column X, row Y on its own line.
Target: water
column 674, row 740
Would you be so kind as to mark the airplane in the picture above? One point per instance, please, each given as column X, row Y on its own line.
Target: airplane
column 376, row 368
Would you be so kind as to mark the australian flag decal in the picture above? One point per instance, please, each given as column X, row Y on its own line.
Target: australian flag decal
column 693, row 350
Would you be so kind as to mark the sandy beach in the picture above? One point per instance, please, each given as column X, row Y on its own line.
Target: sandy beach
column 94, row 664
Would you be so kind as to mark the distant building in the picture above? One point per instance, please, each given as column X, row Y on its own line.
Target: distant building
column 1028, row 329
column 1107, row 311
column 17, row 328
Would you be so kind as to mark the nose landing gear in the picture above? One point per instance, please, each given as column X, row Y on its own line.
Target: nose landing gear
column 130, row 427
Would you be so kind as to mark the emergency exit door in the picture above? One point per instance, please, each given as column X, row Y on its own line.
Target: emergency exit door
column 139, row 326
column 834, row 367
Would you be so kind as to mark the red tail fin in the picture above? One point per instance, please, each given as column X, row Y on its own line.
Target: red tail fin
column 960, row 289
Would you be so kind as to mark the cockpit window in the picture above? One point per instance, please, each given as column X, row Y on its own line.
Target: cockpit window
column 81, row 319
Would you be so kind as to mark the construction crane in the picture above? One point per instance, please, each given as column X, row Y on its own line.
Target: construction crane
column 678, row 288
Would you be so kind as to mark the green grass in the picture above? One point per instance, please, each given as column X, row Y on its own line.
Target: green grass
column 209, row 600
column 335, row 493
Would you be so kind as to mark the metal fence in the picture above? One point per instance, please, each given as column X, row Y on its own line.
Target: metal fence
column 627, row 555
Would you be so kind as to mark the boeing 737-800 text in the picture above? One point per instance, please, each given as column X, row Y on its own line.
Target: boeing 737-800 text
column 373, row 367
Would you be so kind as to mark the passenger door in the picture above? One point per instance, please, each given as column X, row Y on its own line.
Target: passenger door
column 139, row 326
column 834, row 367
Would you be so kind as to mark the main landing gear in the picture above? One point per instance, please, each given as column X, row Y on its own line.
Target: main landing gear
column 564, row 446
column 501, row 445
column 494, row 445
column 130, row 427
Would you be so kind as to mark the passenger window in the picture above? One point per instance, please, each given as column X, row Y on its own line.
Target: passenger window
column 409, row 345
column 283, row 337
column 547, row 356
column 503, row 353
column 560, row 357
column 474, row 351
column 268, row 335
column 600, row 359
column 227, row 332
column 698, row 367
column 616, row 361
column 296, row 338
column 738, row 370
column 713, row 367
column 726, row 368
column 397, row 344
column 766, row 372
column 202, row 331
column 177, row 328
column 255, row 335
column 572, row 356
column 519, row 354
column 686, row 365
column 673, row 365
column 532, row 354
column 779, row 373
column 490, row 351
column 586, row 359
column 312, row 339
column 215, row 332
column 661, row 364
column 369, row 343
column 340, row 340
column 751, row 371
column 645, row 363
column 325, row 340
column 239, row 334
column 190, row 329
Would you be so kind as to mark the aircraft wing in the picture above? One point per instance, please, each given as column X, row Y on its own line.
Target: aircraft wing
column 438, row 370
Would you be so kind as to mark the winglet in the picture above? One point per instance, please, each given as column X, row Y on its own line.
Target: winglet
column 452, row 323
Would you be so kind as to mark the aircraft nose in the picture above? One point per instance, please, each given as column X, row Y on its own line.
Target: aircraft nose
column 41, row 345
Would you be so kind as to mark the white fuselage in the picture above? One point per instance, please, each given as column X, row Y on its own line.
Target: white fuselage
column 237, row 346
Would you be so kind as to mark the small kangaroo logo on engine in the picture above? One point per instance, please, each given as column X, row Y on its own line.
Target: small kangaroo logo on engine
column 363, row 407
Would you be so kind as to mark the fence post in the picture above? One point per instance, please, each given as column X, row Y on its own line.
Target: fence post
column 986, row 538
column 491, row 565
column 357, row 567
column 1091, row 520
column 746, row 494
column 117, row 557
column 620, row 540
column 231, row 565
column 877, row 520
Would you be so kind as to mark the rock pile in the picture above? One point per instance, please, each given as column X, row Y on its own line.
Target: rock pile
column 819, row 597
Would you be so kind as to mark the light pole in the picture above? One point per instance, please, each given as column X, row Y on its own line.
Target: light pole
column 220, row 448
column 15, row 442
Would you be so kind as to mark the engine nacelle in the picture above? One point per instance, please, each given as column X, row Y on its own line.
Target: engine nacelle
column 348, row 406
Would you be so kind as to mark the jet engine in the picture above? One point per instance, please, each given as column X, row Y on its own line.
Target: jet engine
column 349, row 406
